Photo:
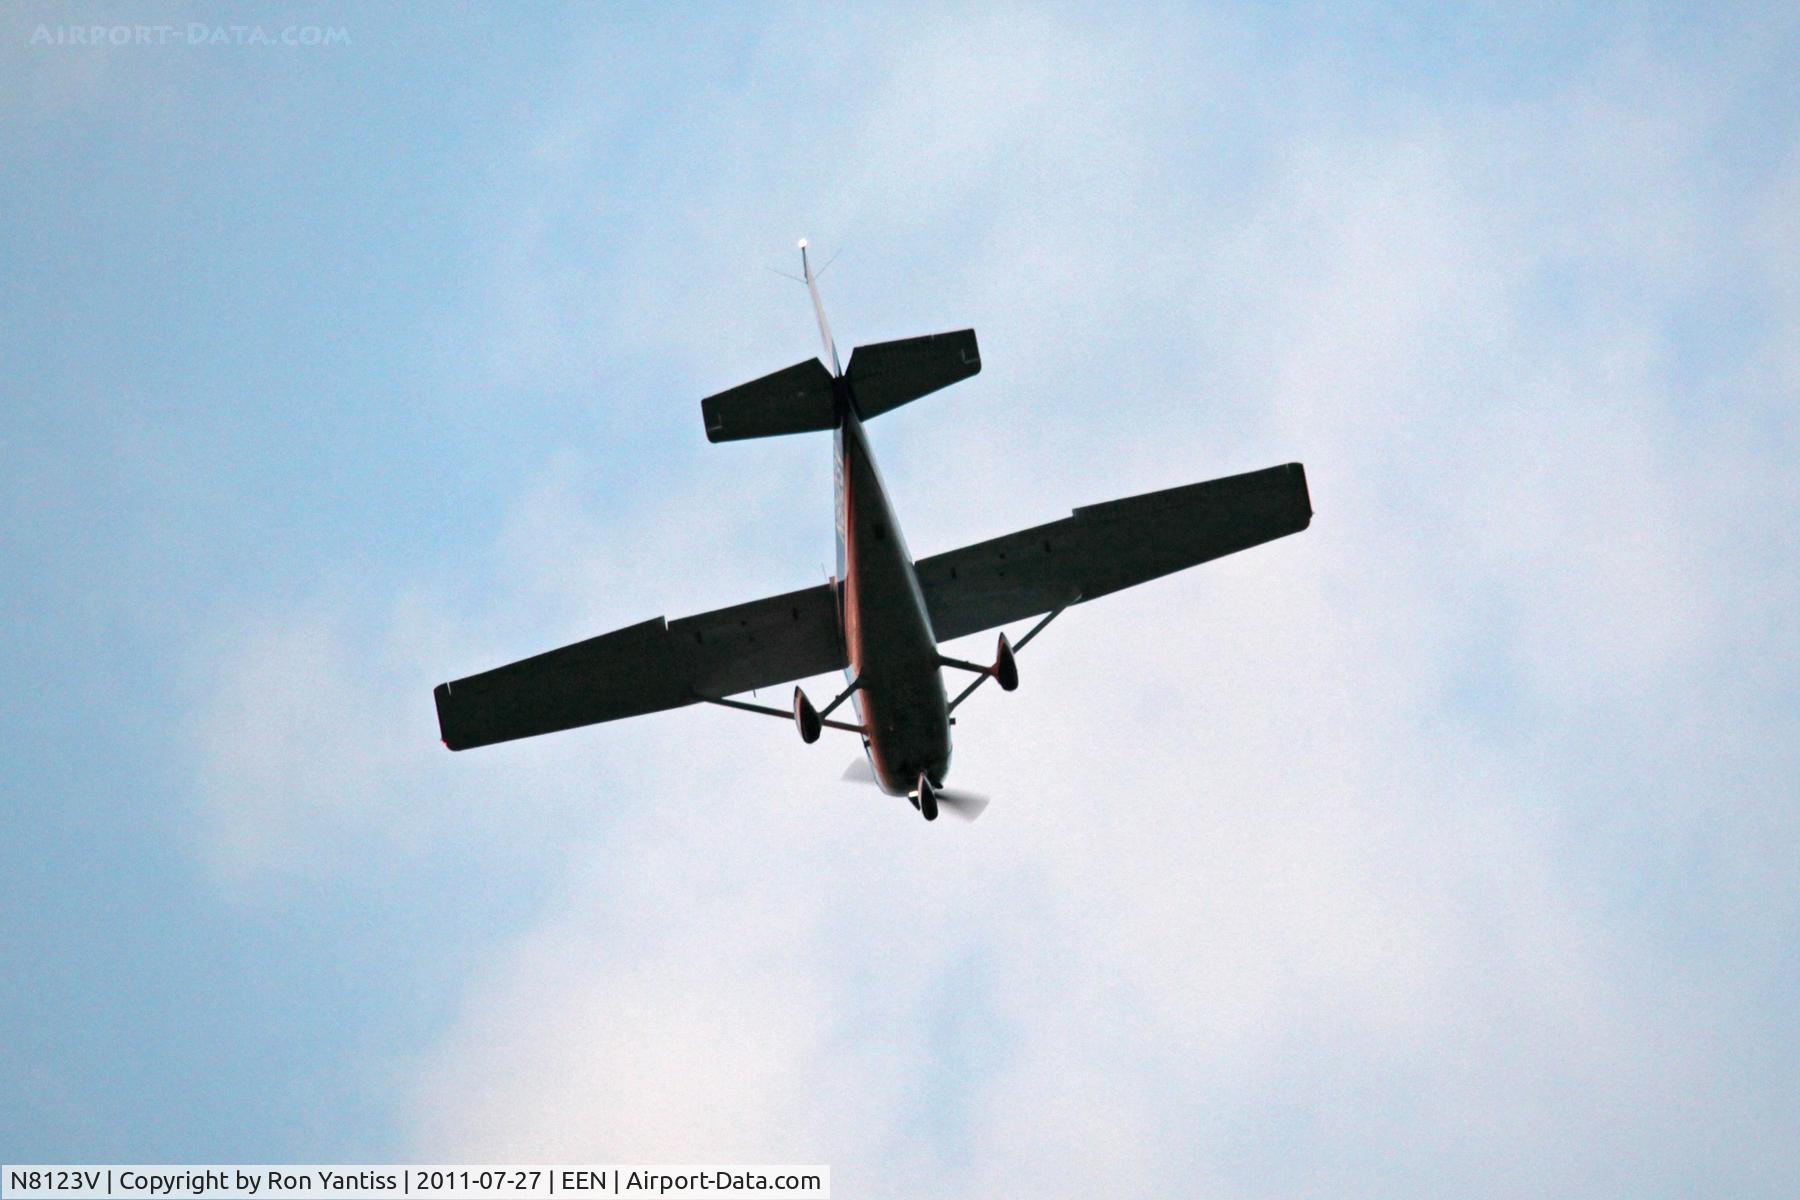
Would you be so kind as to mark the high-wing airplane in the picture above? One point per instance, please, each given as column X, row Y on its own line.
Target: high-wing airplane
column 880, row 618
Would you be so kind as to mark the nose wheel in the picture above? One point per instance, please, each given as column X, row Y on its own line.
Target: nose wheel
column 925, row 799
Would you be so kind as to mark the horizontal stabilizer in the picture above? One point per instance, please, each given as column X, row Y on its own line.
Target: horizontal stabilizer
column 796, row 399
column 888, row 374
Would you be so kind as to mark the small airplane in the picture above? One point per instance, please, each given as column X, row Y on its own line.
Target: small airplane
column 880, row 619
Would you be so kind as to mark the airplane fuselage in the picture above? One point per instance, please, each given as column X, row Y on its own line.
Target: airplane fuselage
column 893, row 656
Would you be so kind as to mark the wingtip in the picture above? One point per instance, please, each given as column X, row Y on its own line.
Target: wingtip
column 1299, row 472
column 441, row 694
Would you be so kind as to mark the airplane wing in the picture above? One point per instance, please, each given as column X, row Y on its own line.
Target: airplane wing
column 646, row 668
column 1105, row 547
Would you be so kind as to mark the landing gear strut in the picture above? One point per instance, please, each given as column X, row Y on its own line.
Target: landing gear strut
column 807, row 719
column 1005, row 670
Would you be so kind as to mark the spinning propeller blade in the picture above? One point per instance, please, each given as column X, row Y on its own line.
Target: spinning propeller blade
column 967, row 805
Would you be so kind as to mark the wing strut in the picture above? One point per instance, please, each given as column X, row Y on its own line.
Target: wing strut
column 986, row 673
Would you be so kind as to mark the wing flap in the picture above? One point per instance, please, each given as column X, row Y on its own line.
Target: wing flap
column 761, row 643
column 645, row 668
column 1102, row 548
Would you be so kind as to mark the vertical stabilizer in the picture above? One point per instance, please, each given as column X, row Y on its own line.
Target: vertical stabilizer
column 812, row 285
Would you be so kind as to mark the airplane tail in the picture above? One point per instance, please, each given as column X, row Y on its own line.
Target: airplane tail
column 814, row 396
column 810, row 396
column 805, row 397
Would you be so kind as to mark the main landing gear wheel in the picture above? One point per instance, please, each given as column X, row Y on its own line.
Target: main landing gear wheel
column 806, row 718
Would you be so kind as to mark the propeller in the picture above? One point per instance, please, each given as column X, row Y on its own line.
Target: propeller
column 967, row 805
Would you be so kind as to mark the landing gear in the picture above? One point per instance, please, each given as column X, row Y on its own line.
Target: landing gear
column 925, row 799
column 1005, row 670
column 809, row 720
column 1006, row 667
column 806, row 718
